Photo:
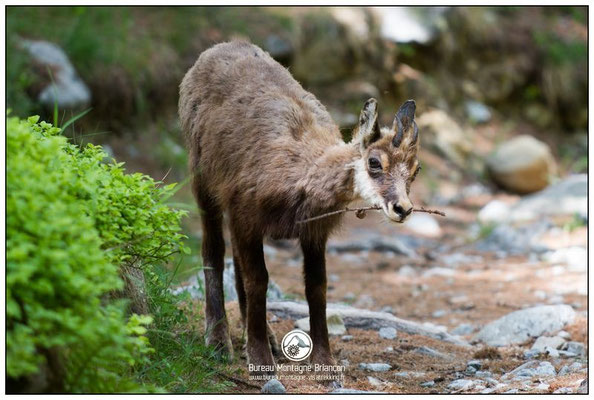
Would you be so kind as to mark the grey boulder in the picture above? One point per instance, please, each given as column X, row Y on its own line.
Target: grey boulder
column 520, row 326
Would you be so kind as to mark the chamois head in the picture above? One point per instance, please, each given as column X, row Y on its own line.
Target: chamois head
column 389, row 162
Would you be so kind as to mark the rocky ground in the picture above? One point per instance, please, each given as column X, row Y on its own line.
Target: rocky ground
column 471, row 309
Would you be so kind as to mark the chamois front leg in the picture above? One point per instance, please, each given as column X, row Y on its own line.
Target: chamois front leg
column 250, row 256
column 314, row 265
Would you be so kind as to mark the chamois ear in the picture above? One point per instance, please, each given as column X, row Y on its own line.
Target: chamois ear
column 368, row 129
column 404, row 120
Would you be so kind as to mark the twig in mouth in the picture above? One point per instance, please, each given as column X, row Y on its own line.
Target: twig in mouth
column 360, row 212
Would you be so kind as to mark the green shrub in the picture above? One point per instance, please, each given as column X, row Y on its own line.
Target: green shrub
column 72, row 220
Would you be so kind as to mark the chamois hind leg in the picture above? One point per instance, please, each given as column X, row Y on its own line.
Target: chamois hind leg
column 213, row 253
column 241, row 299
column 314, row 268
column 249, row 252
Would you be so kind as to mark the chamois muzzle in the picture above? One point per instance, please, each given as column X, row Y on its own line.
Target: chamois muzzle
column 399, row 210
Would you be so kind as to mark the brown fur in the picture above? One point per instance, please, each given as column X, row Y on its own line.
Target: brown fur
column 267, row 153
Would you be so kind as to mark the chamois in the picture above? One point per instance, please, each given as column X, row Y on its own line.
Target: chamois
column 267, row 153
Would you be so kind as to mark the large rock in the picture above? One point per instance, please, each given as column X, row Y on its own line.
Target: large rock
column 441, row 132
column 566, row 197
column 65, row 87
column 522, row 165
column 362, row 319
column 520, row 326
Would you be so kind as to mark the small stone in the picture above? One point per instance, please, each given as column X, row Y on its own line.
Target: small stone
column 543, row 386
column 576, row 366
column 347, row 338
column 389, row 349
column 484, row 374
column 461, row 384
column 428, row 351
column 567, row 354
column 477, row 112
column 439, row 313
column 564, row 371
column 470, row 370
column 553, row 353
column 512, row 391
column 576, row 258
column 302, row 324
column 428, row 384
column 402, row 374
column 476, row 364
column 273, row 386
column 531, row 369
column 388, row 333
column 563, row 390
column 564, row 335
column 575, row 347
column 544, row 341
column 530, row 354
column 583, row 388
column 375, row 367
column 378, row 383
column 345, row 362
column 333, row 278
column 496, row 211
column 407, row 271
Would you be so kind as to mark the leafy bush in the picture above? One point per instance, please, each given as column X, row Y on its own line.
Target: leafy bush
column 72, row 220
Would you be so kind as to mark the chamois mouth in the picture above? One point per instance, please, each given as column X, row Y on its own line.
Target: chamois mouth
column 391, row 215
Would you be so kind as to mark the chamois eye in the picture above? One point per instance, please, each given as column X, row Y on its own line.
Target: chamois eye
column 374, row 163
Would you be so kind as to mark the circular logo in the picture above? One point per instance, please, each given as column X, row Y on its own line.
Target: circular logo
column 297, row 345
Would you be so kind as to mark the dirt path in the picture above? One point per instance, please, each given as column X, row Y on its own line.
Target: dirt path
column 447, row 285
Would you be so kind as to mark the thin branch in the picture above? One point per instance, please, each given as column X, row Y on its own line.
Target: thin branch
column 361, row 213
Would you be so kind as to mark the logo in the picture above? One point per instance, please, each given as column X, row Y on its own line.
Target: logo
column 296, row 345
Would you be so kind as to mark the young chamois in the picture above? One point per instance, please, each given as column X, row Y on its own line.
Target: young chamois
column 267, row 153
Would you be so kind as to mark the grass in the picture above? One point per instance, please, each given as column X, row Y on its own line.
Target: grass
column 182, row 363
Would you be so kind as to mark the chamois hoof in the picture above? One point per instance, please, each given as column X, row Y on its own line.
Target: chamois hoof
column 222, row 346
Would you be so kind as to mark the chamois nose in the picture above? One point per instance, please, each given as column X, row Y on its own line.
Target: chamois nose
column 401, row 211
